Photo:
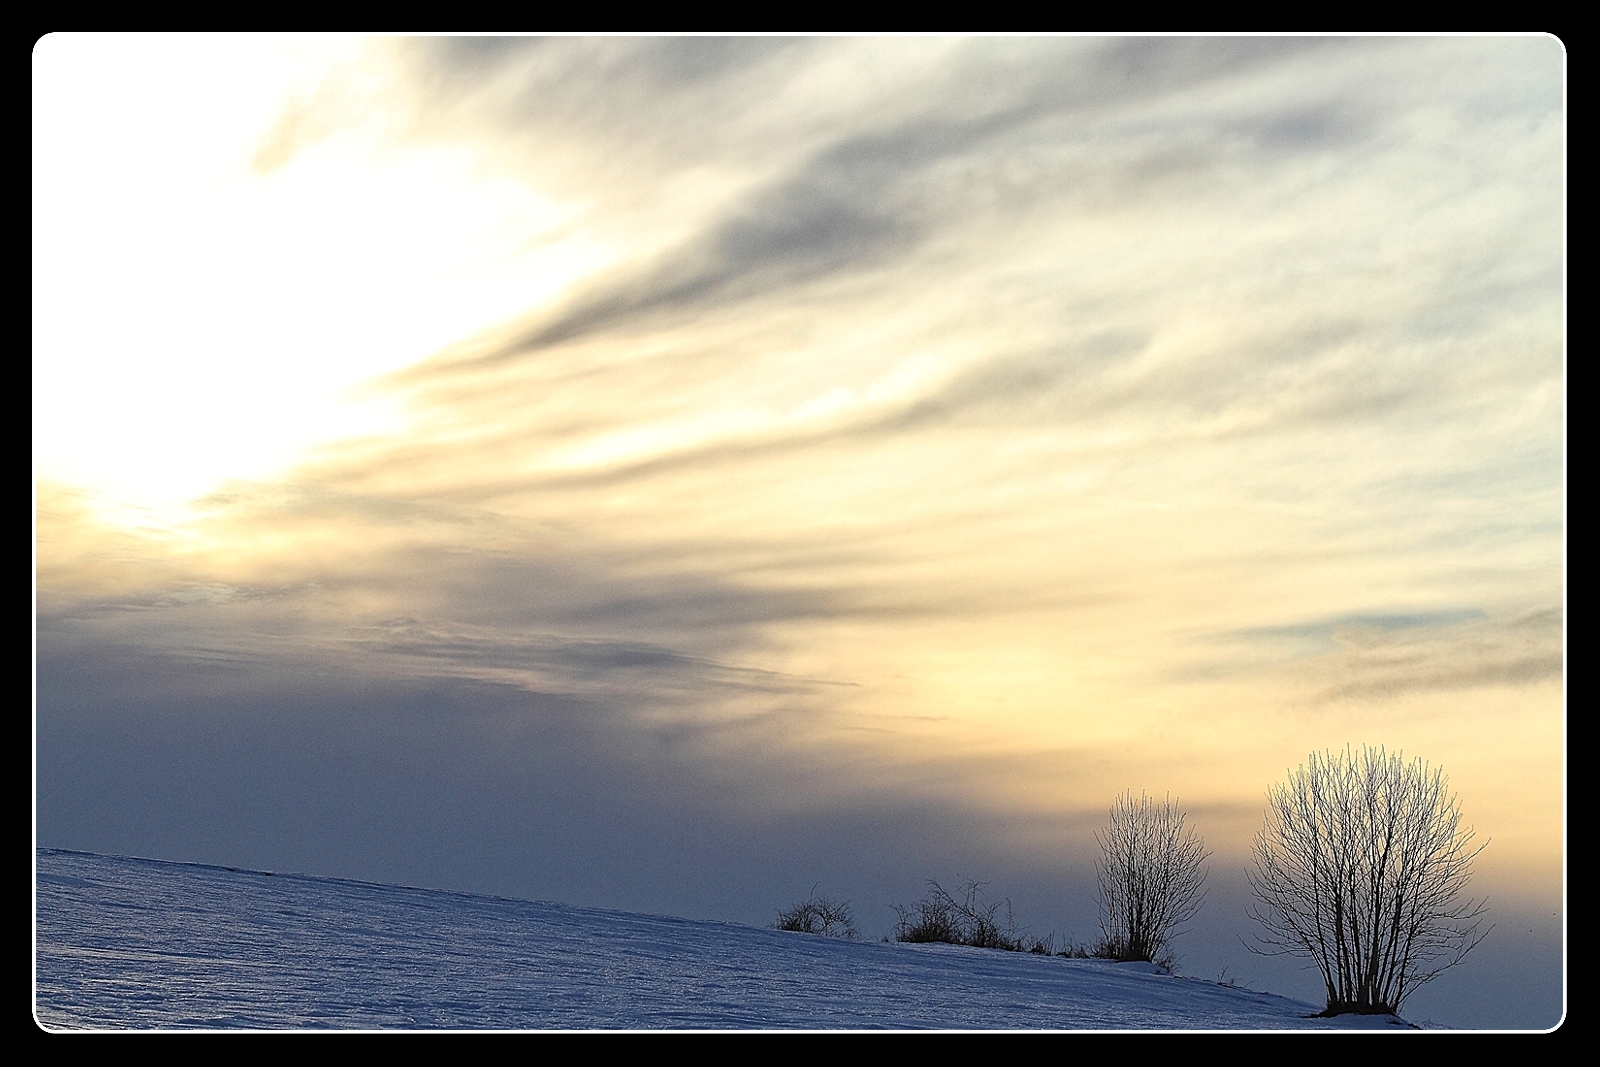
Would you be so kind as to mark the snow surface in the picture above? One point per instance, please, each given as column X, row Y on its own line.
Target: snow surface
column 146, row 944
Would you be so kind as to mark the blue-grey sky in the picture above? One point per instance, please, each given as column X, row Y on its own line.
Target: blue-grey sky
column 672, row 473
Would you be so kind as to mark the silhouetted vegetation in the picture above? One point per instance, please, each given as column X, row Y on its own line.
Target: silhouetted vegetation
column 965, row 920
column 1361, row 867
column 1151, row 878
column 1104, row 949
column 819, row 915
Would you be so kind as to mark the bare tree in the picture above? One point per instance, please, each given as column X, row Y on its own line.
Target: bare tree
column 1361, row 866
column 1152, row 878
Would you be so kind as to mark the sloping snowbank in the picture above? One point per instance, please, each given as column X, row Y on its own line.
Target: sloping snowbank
column 144, row 944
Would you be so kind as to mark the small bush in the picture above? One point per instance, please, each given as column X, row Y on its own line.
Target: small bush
column 819, row 915
column 965, row 920
column 1104, row 949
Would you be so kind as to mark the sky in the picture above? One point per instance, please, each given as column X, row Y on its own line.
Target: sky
column 674, row 473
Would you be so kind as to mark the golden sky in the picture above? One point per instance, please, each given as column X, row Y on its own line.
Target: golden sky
column 996, row 423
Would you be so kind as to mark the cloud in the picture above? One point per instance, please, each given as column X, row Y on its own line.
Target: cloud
column 977, row 124
column 910, row 208
column 1323, row 633
column 1379, row 656
column 1379, row 663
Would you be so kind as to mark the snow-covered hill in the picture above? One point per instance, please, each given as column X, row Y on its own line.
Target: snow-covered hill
column 141, row 944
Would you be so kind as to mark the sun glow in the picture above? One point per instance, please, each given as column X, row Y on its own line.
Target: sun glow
column 200, row 319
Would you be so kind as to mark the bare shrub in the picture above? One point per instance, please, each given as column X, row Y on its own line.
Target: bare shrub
column 819, row 915
column 1361, row 867
column 1151, row 878
column 1104, row 949
column 965, row 920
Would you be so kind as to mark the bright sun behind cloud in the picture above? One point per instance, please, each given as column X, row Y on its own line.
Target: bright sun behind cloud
column 200, row 318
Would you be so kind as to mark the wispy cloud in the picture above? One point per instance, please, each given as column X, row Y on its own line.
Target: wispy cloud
column 1378, row 657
